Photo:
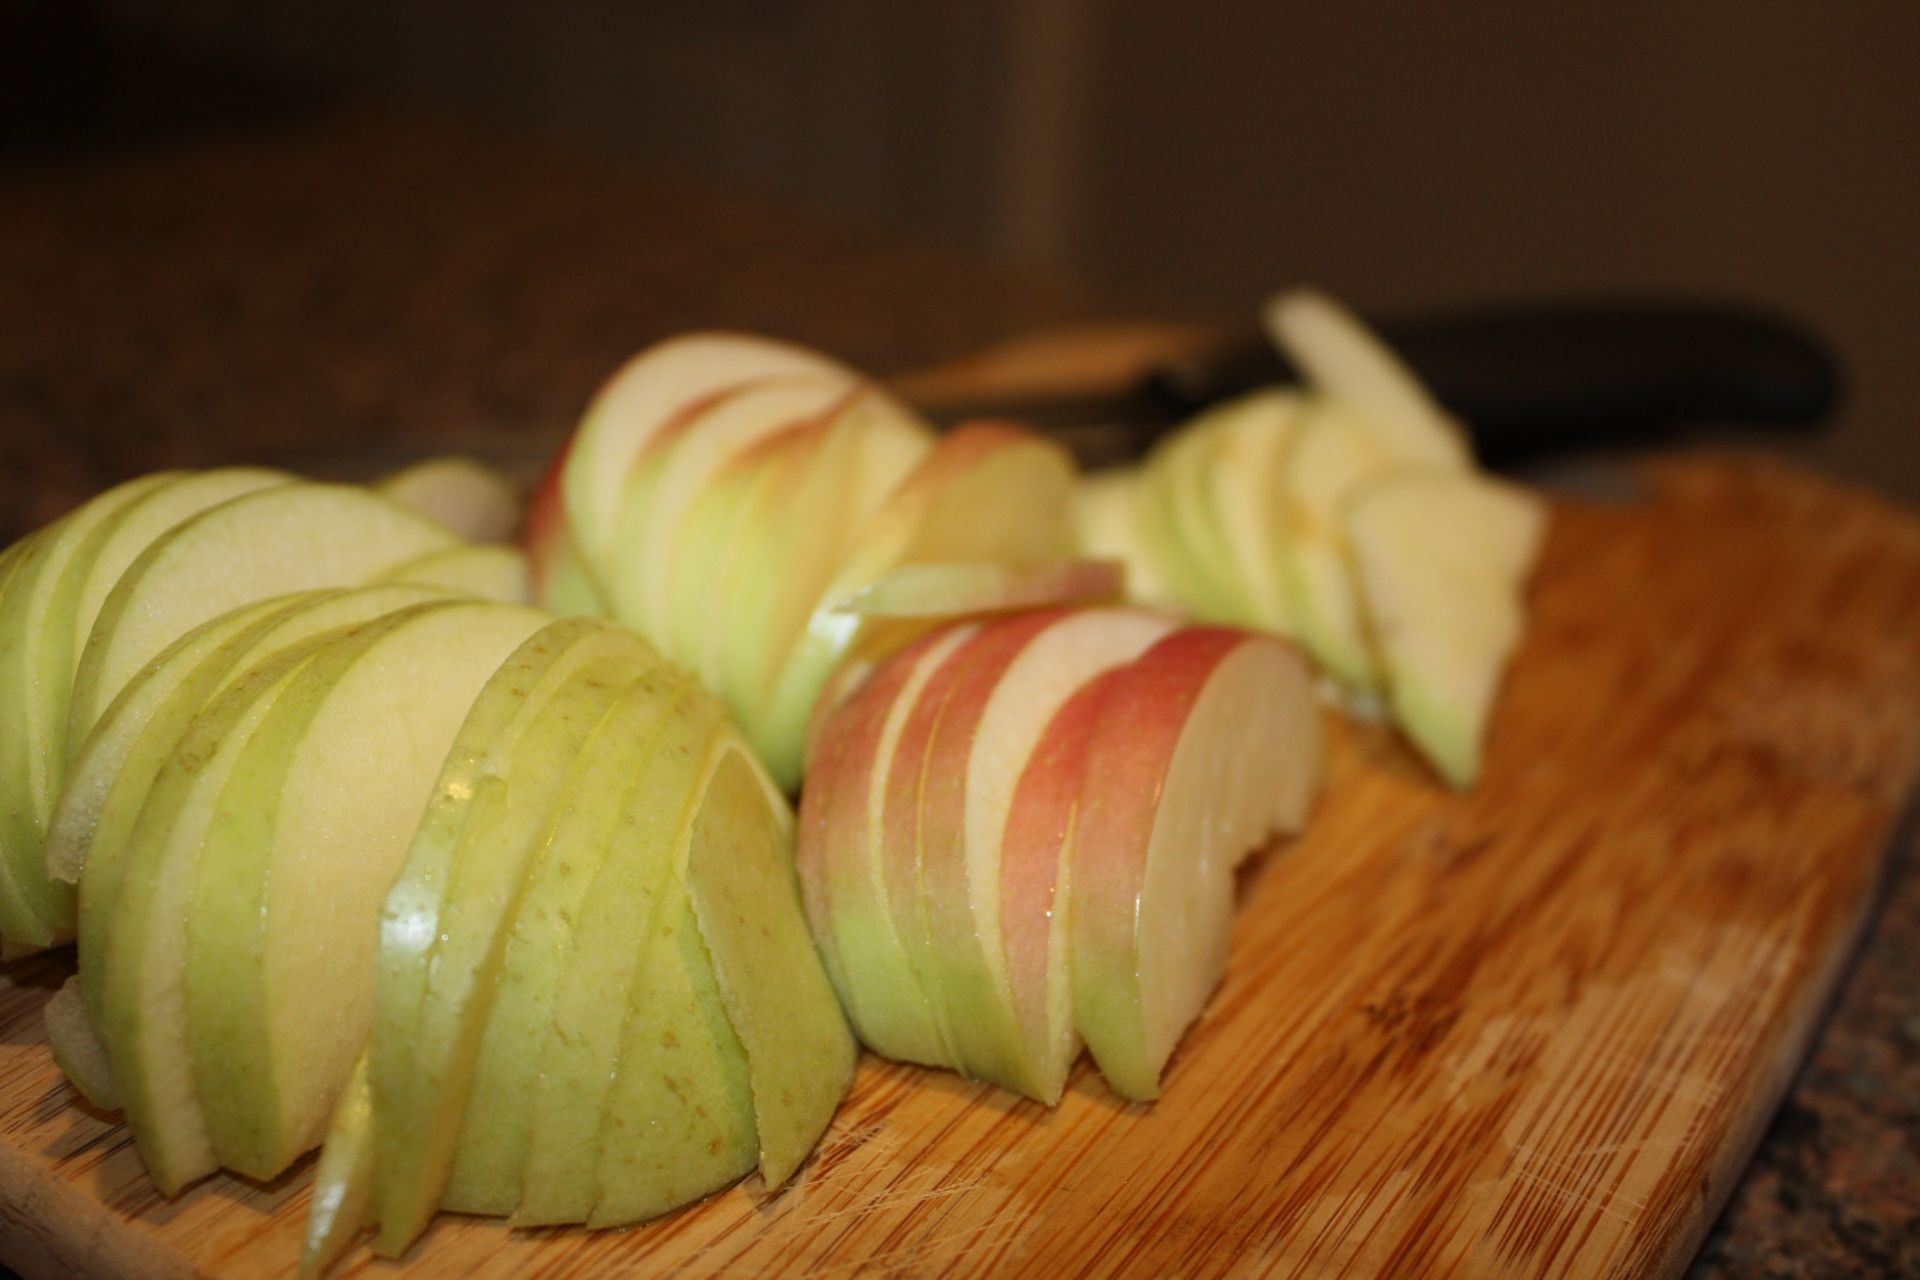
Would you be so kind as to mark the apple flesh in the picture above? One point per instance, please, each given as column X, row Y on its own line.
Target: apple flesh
column 1204, row 748
column 497, row 573
column 946, row 590
column 472, row 499
column 1443, row 560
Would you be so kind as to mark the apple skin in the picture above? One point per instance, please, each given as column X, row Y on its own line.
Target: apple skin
column 559, row 579
column 949, row 589
column 1205, row 746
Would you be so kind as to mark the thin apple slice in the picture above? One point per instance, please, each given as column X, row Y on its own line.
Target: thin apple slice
column 1177, row 484
column 677, row 464
column 1009, row 680
column 1249, row 438
column 845, row 830
column 497, row 573
column 800, row 1054
column 472, row 499
column 1106, row 528
column 343, row 1181
column 310, row 829
column 1332, row 455
column 650, row 391
column 1443, row 560
column 987, row 491
column 17, row 918
column 1345, row 360
column 76, row 1047
column 443, row 947
column 1204, row 748
column 290, row 538
column 489, row 1172
column 558, row 576
column 946, row 589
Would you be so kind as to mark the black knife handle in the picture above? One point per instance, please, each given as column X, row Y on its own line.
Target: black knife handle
column 1533, row 378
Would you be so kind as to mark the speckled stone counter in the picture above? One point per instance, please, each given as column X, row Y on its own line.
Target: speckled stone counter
column 356, row 290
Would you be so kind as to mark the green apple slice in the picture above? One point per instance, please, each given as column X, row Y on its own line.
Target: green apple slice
column 310, row 829
column 677, row 465
column 1009, row 682
column 16, row 917
column 651, row 391
column 984, row 492
column 587, row 1087
column 1107, row 528
column 490, row 1165
column 1177, row 486
column 453, row 939
column 497, row 573
column 557, row 574
column 343, row 1182
column 1249, row 438
column 76, row 1047
column 1205, row 746
column 1342, row 358
column 1332, row 455
column 800, row 1054
column 290, row 538
column 1443, row 560
column 473, row 500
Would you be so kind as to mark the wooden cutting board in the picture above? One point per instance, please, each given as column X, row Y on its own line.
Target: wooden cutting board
column 1533, row 1030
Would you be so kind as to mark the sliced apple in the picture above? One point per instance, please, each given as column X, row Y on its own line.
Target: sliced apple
column 800, row 1055
column 1009, row 680
column 289, row 538
column 1106, row 526
column 1204, row 748
column 558, row 577
column 474, row 500
column 1443, row 560
column 1179, row 511
column 945, row 590
column 76, row 1047
column 1249, row 440
column 497, row 573
column 1332, row 455
column 1344, row 359
column 650, row 391
column 343, row 1180
column 309, row 831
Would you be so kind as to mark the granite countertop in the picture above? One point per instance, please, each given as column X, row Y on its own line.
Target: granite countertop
column 355, row 289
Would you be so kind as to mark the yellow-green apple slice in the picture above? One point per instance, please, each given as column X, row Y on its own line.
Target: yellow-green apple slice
column 17, row 918
column 1342, row 358
column 678, row 1119
column 676, row 466
column 558, row 577
column 624, row 1031
column 1106, row 528
column 288, row 538
column 1008, row 682
column 493, row 572
column 1204, row 748
column 800, row 1054
column 1331, row 456
column 844, row 832
column 1249, row 438
column 1180, row 509
column 947, row 590
column 654, row 389
column 489, row 1171
column 469, row 497
column 343, row 1180
column 140, row 979
column 76, row 1047
column 986, row 491
column 1443, row 560
column 448, row 915
column 309, row 831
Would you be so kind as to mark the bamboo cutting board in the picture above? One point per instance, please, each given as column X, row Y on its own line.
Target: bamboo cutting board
column 1533, row 1030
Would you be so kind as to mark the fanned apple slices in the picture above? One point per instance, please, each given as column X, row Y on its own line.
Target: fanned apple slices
column 1021, row 833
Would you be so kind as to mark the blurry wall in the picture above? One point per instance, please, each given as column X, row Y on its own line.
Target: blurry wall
column 1403, row 154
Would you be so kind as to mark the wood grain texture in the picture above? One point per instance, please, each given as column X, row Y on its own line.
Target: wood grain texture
column 1533, row 1030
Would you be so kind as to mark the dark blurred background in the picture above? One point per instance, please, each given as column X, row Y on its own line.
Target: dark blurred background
column 1085, row 158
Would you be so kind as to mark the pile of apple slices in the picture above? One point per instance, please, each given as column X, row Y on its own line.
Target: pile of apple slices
column 1021, row 834
column 727, row 495
column 1349, row 516
column 89, row 601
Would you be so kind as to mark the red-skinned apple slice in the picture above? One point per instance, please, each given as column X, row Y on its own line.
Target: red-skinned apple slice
column 1006, row 684
column 1204, row 747
column 948, row 589
column 558, row 576
column 655, row 388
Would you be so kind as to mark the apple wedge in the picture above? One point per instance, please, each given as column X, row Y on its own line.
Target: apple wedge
column 1204, row 748
column 475, row 501
column 1342, row 358
column 493, row 572
column 289, row 538
column 310, row 828
column 800, row 1054
column 946, row 590
column 654, row 389
column 1443, row 560
column 1008, row 682
column 839, row 855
